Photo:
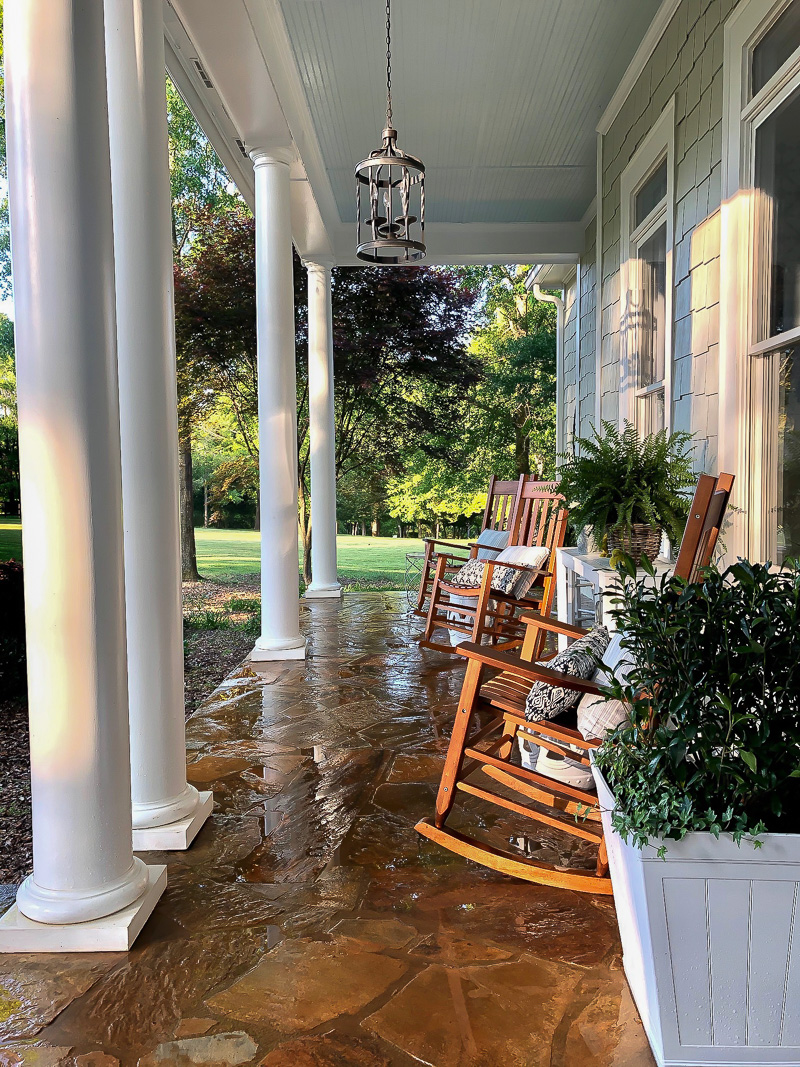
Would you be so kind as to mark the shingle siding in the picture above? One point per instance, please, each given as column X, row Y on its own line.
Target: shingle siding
column 686, row 64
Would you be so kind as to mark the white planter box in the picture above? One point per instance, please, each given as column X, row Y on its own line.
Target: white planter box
column 711, row 944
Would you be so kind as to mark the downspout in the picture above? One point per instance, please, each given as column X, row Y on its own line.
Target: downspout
column 559, row 303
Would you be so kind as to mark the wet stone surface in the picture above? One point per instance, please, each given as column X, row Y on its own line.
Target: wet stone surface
column 309, row 925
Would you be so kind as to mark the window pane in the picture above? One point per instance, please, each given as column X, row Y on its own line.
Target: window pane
column 778, row 179
column 776, row 46
column 789, row 455
column 651, row 194
column 651, row 412
column 651, row 313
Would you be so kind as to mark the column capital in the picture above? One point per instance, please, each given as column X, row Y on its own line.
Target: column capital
column 318, row 266
column 265, row 157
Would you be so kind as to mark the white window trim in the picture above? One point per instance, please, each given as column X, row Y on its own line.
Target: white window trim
column 660, row 141
column 743, row 377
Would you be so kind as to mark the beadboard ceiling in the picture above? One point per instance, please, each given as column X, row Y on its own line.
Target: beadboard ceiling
column 500, row 98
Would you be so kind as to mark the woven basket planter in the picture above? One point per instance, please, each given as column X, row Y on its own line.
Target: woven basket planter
column 640, row 540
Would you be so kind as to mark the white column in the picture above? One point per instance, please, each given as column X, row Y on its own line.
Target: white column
column 322, row 435
column 165, row 808
column 277, row 412
column 61, row 228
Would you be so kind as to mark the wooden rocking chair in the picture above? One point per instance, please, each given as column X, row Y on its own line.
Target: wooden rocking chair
column 500, row 513
column 487, row 749
column 481, row 611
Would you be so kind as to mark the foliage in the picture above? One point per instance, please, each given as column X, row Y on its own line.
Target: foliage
column 433, row 489
column 716, row 745
column 215, row 321
column 198, row 180
column 12, row 629
column 618, row 479
column 9, row 442
column 511, row 418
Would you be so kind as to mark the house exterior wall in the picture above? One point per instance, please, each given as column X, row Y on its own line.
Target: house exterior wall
column 587, row 355
column 567, row 410
column 687, row 65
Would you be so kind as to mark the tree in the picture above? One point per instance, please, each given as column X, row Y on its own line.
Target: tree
column 515, row 404
column 9, row 439
column 199, row 184
column 401, row 373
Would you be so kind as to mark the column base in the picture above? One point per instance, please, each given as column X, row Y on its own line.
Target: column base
column 174, row 836
column 112, row 933
column 322, row 592
column 260, row 654
column 152, row 816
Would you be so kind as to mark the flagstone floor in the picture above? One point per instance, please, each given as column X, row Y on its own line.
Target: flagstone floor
column 309, row 925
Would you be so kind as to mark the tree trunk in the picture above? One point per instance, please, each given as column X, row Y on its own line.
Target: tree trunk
column 375, row 528
column 189, row 572
column 436, row 535
column 521, row 451
column 304, row 522
column 205, row 504
column 257, row 519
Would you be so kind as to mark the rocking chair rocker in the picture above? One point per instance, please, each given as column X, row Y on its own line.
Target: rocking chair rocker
column 487, row 749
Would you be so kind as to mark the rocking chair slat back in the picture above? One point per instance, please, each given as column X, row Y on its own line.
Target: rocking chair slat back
column 501, row 503
column 500, row 513
column 703, row 525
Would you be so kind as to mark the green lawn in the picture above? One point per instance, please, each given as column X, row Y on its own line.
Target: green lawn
column 223, row 552
column 10, row 540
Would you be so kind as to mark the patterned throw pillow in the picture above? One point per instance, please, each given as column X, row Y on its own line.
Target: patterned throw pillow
column 471, row 576
column 596, row 715
column 505, row 579
column 533, row 558
column 546, row 701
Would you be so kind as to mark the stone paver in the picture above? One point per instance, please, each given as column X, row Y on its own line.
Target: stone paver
column 309, row 925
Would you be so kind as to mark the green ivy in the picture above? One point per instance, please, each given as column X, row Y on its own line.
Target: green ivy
column 716, row 745
column 618, row 479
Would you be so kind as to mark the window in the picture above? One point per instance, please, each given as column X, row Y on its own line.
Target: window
column 652, row 192
column 775, row 47
column 646, row 267
column 650, row 274
column 759, row 420
column 777, row 177
column 788, row 494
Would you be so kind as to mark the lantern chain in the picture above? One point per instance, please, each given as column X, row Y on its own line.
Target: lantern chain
column 388, row 64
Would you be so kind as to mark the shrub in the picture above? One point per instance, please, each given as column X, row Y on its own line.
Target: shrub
column 716, row 744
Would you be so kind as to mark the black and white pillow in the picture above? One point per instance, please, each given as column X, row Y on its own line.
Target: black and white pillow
column 579, row 659
column 471, row 576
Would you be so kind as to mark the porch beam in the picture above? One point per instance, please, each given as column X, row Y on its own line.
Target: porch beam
column 167, row 812
column 87, row 891
column 277, row 410
column 322, row 435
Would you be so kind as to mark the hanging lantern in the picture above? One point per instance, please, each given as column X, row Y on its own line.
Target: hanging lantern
column 390, row 188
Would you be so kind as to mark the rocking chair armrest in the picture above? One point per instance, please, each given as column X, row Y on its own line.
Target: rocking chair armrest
column 513, row 566
column 450, row 544
column 555, row 626
column 505, row 661
column 449, row 555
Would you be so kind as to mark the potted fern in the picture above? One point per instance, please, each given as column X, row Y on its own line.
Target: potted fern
column 629, row 489
column 700, row 802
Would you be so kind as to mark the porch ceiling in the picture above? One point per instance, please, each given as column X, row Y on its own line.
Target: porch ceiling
column 501, row 101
